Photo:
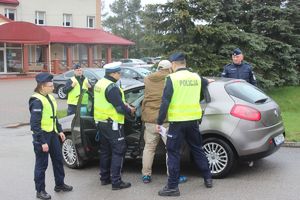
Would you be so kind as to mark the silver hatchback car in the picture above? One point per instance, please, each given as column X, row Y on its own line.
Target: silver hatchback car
column 240, row 122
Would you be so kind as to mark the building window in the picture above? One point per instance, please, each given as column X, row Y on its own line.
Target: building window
column 10, row 14
column 67, row 20
column 91, row 22
column 40, row 18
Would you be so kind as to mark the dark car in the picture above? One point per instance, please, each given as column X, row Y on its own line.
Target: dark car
column 240, row 123
column 93, row 74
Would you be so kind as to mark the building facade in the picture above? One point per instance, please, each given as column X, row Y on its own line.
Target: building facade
column 43, row 35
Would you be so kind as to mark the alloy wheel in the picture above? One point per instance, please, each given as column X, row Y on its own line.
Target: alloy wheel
column 217, row 157
column 69, row 152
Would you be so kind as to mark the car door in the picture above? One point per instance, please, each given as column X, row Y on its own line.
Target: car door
column 133, row 126
column 84, row 129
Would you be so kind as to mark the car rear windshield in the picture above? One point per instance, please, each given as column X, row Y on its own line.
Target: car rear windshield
column 246, row 92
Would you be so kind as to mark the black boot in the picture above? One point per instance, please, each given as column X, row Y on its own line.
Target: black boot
column 64, row 187
column 43, row 195
column 208, row 182
column 121, row 185
column 105, row 182
column 169, row 192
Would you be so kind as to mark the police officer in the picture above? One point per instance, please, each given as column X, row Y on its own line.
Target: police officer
column 181, row 104
column 109, row 111
column 46, row 134
column 74, row 87
column 239, row 69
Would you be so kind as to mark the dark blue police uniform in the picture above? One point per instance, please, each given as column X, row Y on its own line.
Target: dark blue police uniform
column 112, row 142
column 51, row 138
column 242, row 71
column 41, row 137
column 68, row 87
column 239, row 71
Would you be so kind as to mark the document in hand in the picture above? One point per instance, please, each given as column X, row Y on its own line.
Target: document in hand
column 163, row 131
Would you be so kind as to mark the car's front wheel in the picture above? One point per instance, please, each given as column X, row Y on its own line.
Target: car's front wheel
column 69, row 154
column 220, row 156
column 60, row 92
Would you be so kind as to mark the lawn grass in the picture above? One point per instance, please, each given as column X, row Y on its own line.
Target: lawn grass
column 288, row 99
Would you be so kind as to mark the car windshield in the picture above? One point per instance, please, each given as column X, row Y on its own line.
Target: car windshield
column 100, row 73
column 246, row 92
column 144, row 72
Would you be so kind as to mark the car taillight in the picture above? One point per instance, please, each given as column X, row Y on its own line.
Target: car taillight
column 245, row 112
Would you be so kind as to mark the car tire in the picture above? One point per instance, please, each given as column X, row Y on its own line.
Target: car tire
column 70, row 155
column 220, row 156
column 60, row 92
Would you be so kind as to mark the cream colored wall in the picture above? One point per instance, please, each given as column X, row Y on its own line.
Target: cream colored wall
column 3, row 6
column 55, row 9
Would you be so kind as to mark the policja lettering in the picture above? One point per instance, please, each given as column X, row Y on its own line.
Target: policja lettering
column 188, row 83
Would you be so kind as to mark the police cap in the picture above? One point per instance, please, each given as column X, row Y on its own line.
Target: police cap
column 236, row 52
column 112, row 67
column 43, row 77
column 76, row 66
column 177, row 57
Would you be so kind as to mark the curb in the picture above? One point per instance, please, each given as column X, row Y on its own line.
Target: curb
column 291, row 144
column 16, row 125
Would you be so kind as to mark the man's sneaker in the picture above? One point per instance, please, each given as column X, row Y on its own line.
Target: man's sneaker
column 208, row 182
column 105, row 182
column 146, row 179
column 169, row 192
column 121, row 185
column 43, row 195
column 182, row 179
column 64, row 187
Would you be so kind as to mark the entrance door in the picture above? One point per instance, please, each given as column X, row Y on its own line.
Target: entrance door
column 2, row 68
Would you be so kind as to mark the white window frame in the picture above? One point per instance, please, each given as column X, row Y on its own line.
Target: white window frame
column 40, row 15
column 88, row 21
column 67, row 20
column 8, row 11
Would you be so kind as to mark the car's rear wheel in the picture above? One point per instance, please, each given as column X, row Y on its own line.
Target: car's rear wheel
column 220, row 156
column 60, row 92
column 69, row 154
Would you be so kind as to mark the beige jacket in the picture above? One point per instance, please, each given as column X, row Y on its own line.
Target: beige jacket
column 154, row 85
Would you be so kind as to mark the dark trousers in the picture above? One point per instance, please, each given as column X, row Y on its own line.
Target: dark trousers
column 71, row 109
column 178, row 131
column 41, row 161
column 112, row 152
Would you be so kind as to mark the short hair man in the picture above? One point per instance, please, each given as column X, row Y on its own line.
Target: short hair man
column 181, row 104
column 154, row 85
column 74, row 87
column 109, row 114
column 238, row 68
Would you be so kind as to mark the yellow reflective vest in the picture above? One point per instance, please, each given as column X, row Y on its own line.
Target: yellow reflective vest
column 185, row 102
column 104, row 110
column 48, row 122
column 75, row 92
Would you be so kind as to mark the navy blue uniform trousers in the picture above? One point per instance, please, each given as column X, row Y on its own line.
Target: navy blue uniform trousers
column 112, row 152
column 178, row 131
column 41, row 161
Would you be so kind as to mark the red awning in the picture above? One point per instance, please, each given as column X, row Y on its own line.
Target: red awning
column 13, row 2
column 84, row 36
column 28, row 33
column 24, row 33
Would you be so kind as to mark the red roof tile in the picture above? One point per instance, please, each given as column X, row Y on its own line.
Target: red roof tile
column 25, row 32
column 83, row 35
column 13, row 2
